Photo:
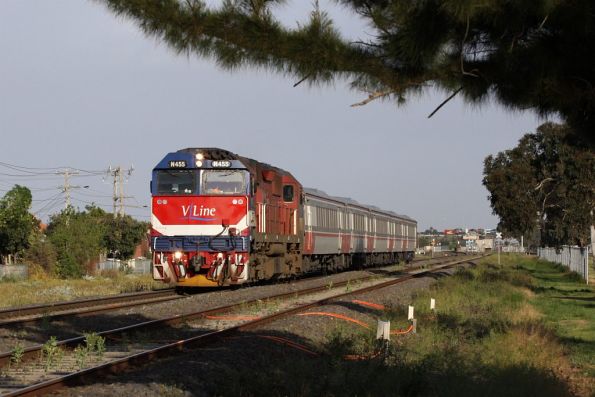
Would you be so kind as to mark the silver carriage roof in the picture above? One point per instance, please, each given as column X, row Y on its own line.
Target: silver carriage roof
column 350, row 201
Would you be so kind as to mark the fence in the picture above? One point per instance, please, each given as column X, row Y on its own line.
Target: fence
column 513, row 249
column 136, row 266
column 574, row 258
column 14, row 271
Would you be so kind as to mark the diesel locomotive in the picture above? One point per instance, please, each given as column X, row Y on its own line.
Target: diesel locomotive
column 220, row 219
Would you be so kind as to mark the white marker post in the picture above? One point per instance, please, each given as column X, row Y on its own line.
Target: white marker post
column 383, row 336
column 499, row 243
column 432, row 304
column 383, row 330
column 410, row 313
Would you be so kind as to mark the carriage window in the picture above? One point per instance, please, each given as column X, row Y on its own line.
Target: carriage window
column 176, row 182
column 219, row 182
column 288, row 193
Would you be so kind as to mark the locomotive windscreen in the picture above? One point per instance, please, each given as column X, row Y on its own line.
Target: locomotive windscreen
column 176, row 182
column 223, row 182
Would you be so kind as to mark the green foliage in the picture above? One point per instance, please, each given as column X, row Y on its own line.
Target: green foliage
column 80, row 236
column 80, row 355
column 526, row 54
column 17, row 354
column 16, row 223
column 547, row 182
column 78, row 239
column 41, row 252
column 95, row 343
column 123, row 235
column 52, row 353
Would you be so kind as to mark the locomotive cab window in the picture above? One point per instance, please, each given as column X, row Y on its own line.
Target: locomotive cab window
column 223, row 182
column 176, row 182
column 288, row 193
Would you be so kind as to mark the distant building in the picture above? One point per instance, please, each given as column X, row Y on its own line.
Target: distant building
column 485, row 245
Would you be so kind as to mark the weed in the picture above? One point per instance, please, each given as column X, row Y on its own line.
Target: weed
column 17, row 354
column 52, row 353
column 81, row 354
column 348, row 286
column 95, row 343
column 329, row 286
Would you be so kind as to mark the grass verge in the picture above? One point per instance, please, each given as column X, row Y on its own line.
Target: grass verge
column 39, row 291
column 525, row 328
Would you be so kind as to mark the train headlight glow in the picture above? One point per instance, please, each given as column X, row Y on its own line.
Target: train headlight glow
column 178, row 255
column 198, row 163
column 199, row 157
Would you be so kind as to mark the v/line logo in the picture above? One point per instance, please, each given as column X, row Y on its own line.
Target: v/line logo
column 196, row 211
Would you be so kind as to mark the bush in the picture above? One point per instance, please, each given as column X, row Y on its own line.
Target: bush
column 68, row 267
column 42, row 254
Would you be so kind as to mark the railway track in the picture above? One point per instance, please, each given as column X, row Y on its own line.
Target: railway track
column 182, row 332
column 54, row 311
column 21, row 316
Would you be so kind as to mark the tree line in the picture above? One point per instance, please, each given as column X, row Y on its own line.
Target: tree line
column 544, row 188
column 73, row 241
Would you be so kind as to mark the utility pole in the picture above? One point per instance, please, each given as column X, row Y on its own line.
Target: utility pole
column 117, row 173
column 67, row 186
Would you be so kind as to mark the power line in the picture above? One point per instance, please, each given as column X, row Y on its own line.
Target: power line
column 29, row 168
column 22, row 168
column 93, row 195
column 90, row 202
column 48, row 209
column 51, row 200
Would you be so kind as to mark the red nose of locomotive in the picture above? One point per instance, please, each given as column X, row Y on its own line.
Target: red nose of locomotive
column 200, row 219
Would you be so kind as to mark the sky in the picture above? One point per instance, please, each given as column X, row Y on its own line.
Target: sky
column 82, row 88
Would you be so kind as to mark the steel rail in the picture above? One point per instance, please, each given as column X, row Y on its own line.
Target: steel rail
column 118, row 365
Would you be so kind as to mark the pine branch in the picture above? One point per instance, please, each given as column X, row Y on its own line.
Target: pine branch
column 446, row 101
column 373, row 96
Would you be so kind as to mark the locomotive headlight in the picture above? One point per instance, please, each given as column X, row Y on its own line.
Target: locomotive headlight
column 178, row 255
column 200, row 157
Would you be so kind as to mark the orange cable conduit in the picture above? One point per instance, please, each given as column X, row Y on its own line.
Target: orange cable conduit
column 335, row 315
column 368, row 304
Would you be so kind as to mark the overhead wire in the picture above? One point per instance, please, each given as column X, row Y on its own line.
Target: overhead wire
column 30, row 168
column 45, row 206
column 49, row 208
column 48, row 174
column 91, row 202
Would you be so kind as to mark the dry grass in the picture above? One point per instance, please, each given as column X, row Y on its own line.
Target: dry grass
column 45, row 290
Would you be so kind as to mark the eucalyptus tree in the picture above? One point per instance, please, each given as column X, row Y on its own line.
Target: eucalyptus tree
column 546, row 183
